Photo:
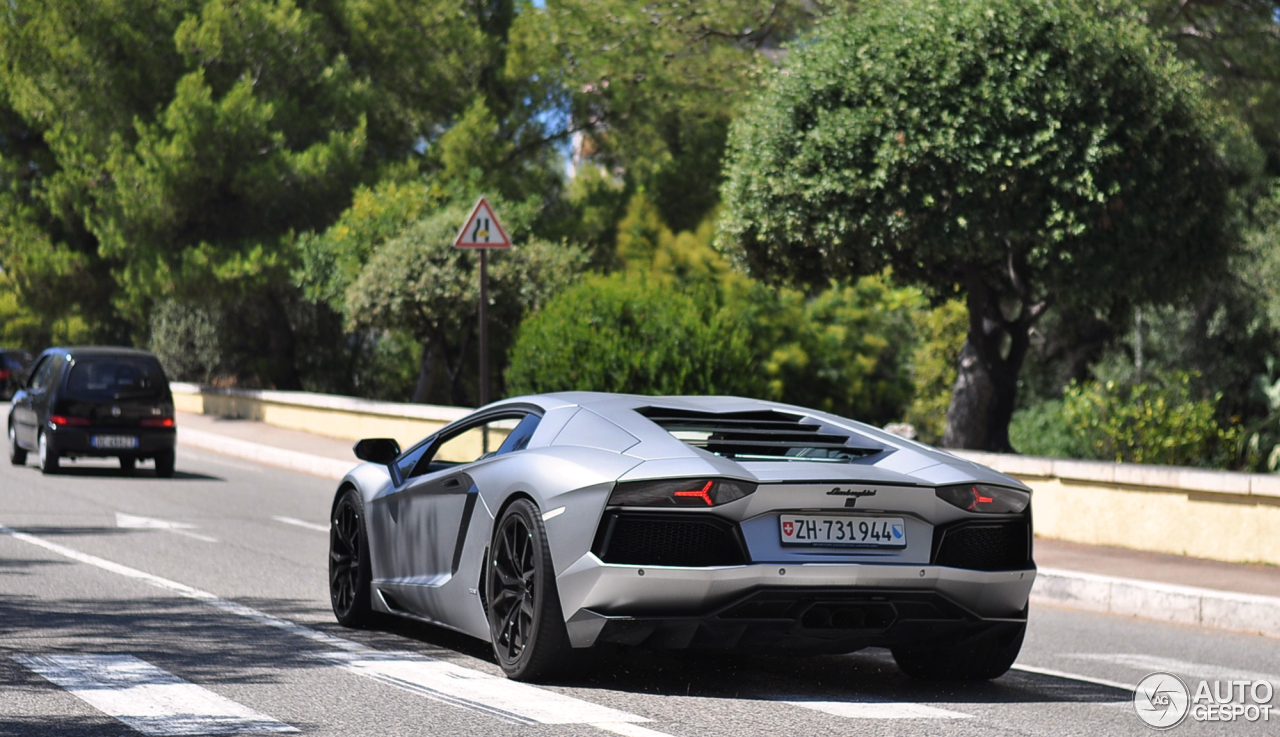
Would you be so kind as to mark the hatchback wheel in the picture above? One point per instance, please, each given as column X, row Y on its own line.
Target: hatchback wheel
column 17, row 456
column 48, row 457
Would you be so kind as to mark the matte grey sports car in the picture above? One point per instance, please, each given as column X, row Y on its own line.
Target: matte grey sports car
column 549, row 524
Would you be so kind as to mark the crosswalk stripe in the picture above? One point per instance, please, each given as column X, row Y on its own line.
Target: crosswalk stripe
column 240, row 610
column 493, row 695
column 879, row 710
column 148, row 699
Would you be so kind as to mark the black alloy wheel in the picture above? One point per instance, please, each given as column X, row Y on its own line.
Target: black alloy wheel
column 349, row 574
column 17, row 456
column 526, row 625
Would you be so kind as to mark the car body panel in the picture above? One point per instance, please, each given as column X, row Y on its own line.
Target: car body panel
column 429, row 535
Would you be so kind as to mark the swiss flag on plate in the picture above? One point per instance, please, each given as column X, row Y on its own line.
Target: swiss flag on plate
column 788, row 528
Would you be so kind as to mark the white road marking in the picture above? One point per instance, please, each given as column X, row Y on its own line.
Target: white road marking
column 1073, row 677
column 494, row 684
column 879, row 710
column 493, row 695
column 130, row 521
column 148, row 699
column 628, row 729
column 300, row 523
column 1151, row 663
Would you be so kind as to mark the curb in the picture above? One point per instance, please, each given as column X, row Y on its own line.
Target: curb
column 1224, row 610
column 291, row 460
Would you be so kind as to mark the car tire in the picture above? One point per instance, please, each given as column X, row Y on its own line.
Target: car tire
column 45, row 455
column 979, row 658
column 350, row 569
column 164, row 465
column 526, row 625
column 17, row 456
column 128, row 464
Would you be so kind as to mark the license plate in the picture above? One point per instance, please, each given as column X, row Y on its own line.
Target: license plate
column 864, row 532
column 115, row 441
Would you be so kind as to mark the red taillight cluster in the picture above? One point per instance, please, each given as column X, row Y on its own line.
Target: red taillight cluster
column 68, row 421
column 4, row 374
column 985, row 498
column 702, row 492
column 158, row 422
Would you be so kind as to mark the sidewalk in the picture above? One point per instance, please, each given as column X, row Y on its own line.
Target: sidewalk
column 1171, row 588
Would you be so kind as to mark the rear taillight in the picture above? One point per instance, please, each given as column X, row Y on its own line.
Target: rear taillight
column 702, row 492
column 68, row 421
column 985, row 498
column 4, row 374
column 158, row 422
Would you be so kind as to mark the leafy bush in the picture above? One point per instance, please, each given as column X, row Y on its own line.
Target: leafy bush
column 187, row 339
column 940, row 334
column 629, row 333
column 1152, row 422
column 1041, row 430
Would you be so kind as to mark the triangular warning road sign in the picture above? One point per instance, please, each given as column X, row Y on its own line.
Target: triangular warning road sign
column 482, row 229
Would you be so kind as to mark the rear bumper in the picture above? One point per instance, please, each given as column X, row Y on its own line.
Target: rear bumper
column 810, row 607
column 77, row 442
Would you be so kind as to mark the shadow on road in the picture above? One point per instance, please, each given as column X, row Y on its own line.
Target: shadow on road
column 141, row 474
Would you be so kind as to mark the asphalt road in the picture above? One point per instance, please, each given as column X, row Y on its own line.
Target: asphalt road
column 198, row 605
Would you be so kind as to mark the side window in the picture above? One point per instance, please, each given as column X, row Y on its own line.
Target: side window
column 410, row 459
column 40, row 375
column 469, row 444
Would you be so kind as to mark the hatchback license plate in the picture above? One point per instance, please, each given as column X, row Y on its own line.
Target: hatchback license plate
column 115, row 441
column 863, row 532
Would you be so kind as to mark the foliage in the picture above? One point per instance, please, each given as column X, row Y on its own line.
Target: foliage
column 419, row 283
column 629, row 333
column 1029, row 153
column 1160, row 421
column 1041, row 430
column 186, row 339
column 939, row 334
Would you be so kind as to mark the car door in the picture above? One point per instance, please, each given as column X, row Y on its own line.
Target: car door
column 28, row 401
column 431, row 510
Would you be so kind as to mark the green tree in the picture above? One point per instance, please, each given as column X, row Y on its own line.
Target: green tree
column 1031, row 154
column 419, row 283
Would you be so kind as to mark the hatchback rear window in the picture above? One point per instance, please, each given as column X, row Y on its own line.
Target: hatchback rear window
column 116, row 377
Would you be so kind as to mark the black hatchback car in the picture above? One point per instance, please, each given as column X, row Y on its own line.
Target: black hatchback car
column 13, row 369
column 94, row 402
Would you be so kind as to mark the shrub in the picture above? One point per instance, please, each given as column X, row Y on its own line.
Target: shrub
column 632, row 334
column 1152, row 422
column 1041, row 430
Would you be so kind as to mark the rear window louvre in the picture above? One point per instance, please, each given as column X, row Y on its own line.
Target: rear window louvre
column 764, row 435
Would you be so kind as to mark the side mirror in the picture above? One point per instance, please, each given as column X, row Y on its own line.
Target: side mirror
column 377, row 450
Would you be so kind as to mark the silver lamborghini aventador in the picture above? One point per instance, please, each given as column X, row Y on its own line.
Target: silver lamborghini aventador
column 553, row 523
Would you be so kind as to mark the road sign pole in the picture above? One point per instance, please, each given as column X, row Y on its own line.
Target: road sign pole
column 484, row 339
column 483, row 231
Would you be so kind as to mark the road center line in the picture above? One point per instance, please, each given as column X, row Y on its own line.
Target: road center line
column 148, row 699
column 300, row 523
column 496, row 695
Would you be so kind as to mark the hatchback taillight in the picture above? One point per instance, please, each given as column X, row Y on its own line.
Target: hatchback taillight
column 4, row 374
column 158, row 422
column 68, row 421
